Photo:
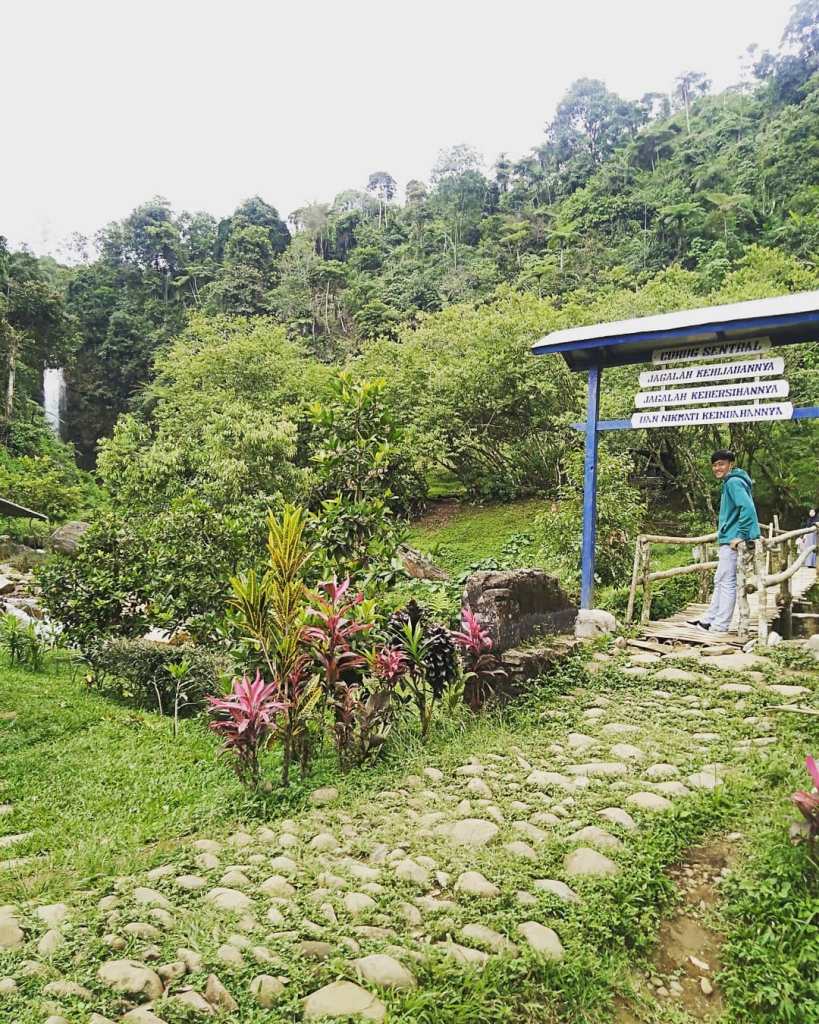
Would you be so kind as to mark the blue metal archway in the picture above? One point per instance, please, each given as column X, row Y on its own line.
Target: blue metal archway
column 785, row 320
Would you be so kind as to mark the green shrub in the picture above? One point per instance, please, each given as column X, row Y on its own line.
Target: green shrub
column 156, row 675
column 620, row 512
column 144, row 569
column 22, row 644
column 668, row 597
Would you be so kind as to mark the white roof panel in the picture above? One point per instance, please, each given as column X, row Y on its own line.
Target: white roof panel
column 683, row 325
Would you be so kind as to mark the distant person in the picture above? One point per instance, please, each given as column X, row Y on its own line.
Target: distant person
column 811, row 538
column 738, row 523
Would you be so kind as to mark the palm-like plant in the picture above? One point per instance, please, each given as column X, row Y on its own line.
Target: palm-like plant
column 270, row 612
column 247, row 723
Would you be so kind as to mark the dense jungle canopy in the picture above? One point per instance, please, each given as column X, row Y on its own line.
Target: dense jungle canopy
column 226, row 330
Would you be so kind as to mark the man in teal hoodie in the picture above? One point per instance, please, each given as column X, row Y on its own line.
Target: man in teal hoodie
column 738, row 524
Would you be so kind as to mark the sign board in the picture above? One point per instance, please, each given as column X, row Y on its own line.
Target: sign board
column 713, row 350
column 744, row 391
column 712, row 415
column 767, row 366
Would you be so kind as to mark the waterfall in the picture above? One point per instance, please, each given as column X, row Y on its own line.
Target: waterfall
column 54, row 399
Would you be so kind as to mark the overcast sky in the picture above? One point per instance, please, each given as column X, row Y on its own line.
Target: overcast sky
column 109, row 102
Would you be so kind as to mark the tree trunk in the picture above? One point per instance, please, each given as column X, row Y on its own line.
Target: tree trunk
column 13, row 352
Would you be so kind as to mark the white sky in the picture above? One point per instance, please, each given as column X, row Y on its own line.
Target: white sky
column 109, row 102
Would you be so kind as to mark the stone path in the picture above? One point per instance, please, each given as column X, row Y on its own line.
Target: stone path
column 347, row 908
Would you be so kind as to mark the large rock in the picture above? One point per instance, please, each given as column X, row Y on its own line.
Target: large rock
column 587, row 862
column 544, row 941
column 266, row 990
column 218, row 996
column 513, row 605
column 739, row 661
column 343, row 999
column 489, row 937
column 11, row 934
column 473, row 883
column 131, row 978
column 384, row 971
column 556, row 888
column 523, row 663
column 469, row 832
column 649, row 802
column 66, row 538
column 594, row 622
column 418, row 565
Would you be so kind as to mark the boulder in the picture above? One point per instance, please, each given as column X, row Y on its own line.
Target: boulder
column 66, row 538
column 418, row 565
column 469, row 832
column 543, row 941
column 192, row 1003
column 131, row 978
column 594, row 622
column 218, row 996
column 343, row 999
column 513, row 605
column 384, row 971
column 11, row 934
column 523, row 663
column 556, row 888
column 266, row 990
column 473, row 883
column 587, row 862
column 323, row 796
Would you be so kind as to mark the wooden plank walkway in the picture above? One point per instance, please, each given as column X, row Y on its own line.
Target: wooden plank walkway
column 675, row 626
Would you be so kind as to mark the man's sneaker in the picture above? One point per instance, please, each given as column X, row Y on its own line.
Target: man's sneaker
column 700, row 625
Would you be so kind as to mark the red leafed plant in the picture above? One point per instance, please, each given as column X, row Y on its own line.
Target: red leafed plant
column 331, row 638
column 483, row 669
column 808, row 803
column 332, row 631
column 388, row 664
column 472, row 638
column 247, row 723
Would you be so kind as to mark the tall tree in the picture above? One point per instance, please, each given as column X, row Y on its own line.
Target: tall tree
column 589, row 123
column 35, row 327
column 460, row 191
column 383, row 187
column 687, row 86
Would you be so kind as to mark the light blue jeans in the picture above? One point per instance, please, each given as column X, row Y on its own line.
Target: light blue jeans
column 721, row 609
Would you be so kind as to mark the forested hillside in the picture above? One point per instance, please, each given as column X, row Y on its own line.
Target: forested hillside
column 623, row 207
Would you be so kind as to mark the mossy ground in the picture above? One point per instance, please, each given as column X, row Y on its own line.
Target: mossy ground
column 109, row 793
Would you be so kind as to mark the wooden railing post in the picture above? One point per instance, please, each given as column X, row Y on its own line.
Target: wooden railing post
column 646, row 611
column 760, row 571
column 786, row 590
column 743, row 610
column 635, row 577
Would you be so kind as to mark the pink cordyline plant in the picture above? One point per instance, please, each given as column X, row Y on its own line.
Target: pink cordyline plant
column 331, row 639
column 473, row 638
column 247, row 723
column 808, row 803
column 388, row 664
column 484, row 670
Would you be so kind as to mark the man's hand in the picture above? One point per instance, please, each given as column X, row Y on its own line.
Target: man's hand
column 735, row 543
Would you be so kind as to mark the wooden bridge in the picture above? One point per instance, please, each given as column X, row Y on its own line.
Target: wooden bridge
column 772, row 574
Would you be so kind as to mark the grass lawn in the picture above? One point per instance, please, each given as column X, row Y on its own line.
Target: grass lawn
column 109, row 793
column 458, row 535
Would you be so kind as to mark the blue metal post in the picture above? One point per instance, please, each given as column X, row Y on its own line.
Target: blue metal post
column 590, row 490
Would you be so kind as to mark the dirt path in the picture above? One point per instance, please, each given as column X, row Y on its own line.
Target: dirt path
column 687, row 956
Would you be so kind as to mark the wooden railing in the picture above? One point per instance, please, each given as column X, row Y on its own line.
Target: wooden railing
column 771, row 561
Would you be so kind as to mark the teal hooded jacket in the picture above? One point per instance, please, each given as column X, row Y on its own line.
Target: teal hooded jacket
column 737, row 512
